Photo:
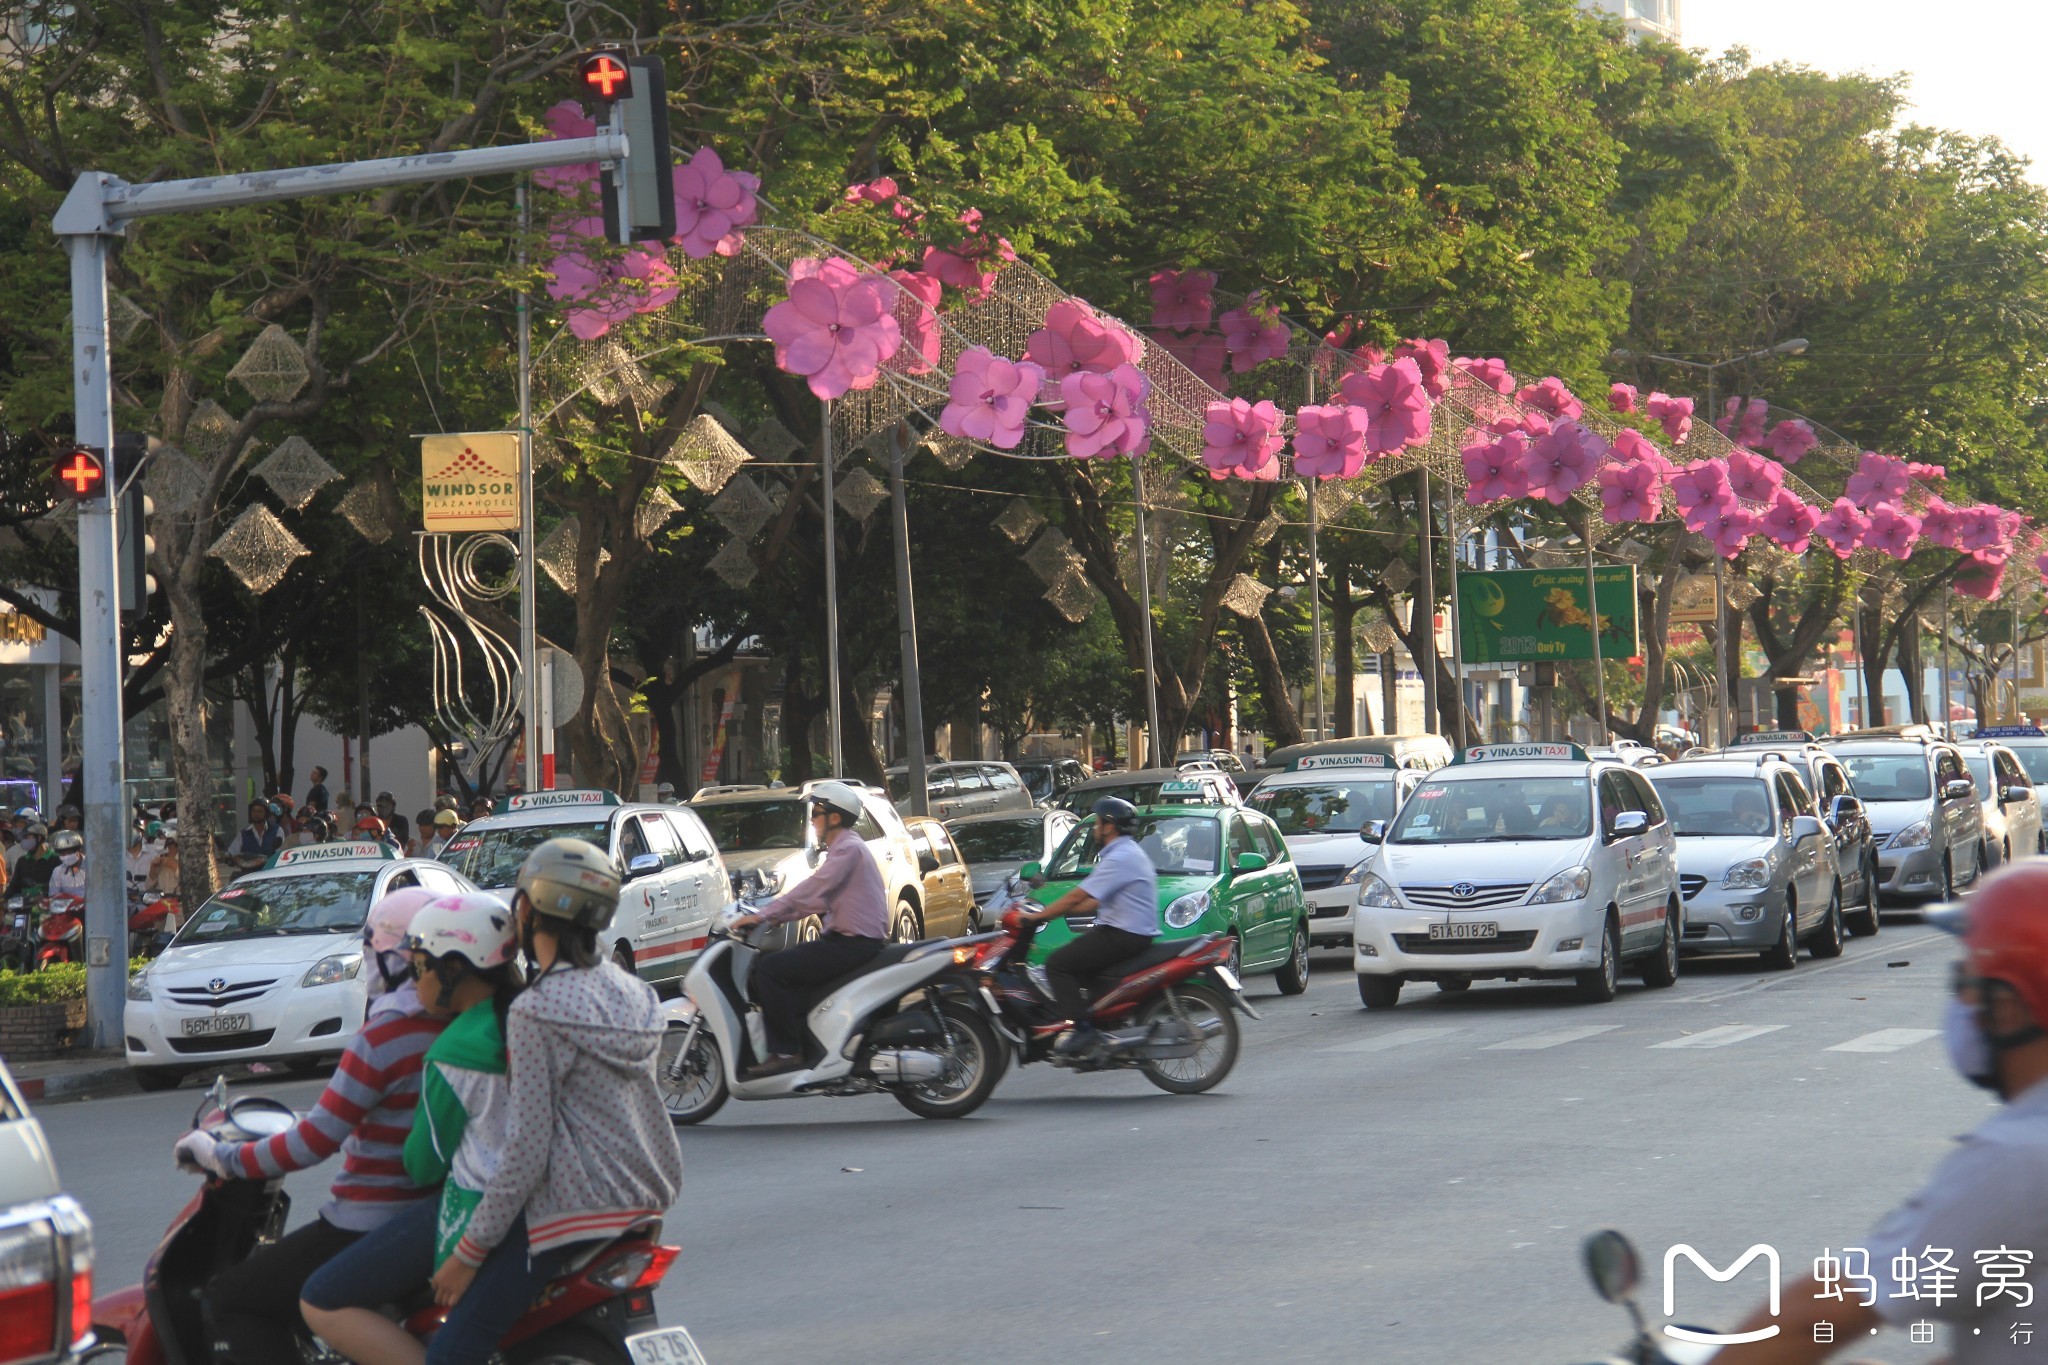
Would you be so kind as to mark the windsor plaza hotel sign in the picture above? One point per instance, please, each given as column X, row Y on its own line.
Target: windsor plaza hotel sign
column 469, row 481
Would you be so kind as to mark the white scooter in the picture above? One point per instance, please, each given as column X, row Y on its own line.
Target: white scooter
column 912, row 1022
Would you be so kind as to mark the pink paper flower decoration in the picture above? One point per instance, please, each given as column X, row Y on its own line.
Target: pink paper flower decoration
column 713, row 206
column 608, row 289
column 2041, row 564
column 958, row 271
column 1791, row 439
column 1493, row 469
column 1790, row 522
column 1843, row 527
column 1744, row 424
column 916, row 307
column 1630, row 492
column 1698, row 516
column 1673, row 414
column 1559, row 461
column 1927, row 471
column 1729, row 525
column 989, row 398
column 1329, row 441
column 1105, row 413
column 1550, row 395
column 1892, row 531
column 1493, row 372
column 836, row 327
column 1878, row 479
column 567, row 120
column 1621, row 397
column 1527, row 424
column 878, row 191
column 1181, row 299
column 1076, row 337
column 1254, row 334
column 1396, row 405
column 1632, row 447
column 1702, row 481
column 1939, row 524
column 1202, row 352
column 1432, row 358
column 1984, row 582
column 1754, row 478
column 1982, row 531
column 1240, row 437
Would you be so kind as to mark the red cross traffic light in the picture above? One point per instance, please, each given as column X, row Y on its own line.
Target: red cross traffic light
column 606, row 77
column 80, row 474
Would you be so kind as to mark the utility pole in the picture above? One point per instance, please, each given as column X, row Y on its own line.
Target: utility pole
column 906, row 624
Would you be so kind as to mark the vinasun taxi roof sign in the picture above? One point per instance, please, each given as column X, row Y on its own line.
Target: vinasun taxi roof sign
column 553, row 800
column 330, row 853
column 1315, row 762
column 1522, row 753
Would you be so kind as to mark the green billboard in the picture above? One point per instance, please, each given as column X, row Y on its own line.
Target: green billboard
column 1525, row 615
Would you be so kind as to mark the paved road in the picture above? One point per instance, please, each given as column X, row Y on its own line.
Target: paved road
column 1397, row 1187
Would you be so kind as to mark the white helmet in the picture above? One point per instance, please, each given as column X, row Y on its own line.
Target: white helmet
column 839, row 796
column 473, row 925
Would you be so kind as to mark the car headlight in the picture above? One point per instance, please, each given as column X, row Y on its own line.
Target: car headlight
column 1568, row 885
column 1356, row 876
column 1914, row 835
column 1187, row 910
column 328, row 970
column 138, row 986
column 1752, row 875
column 1374, row 892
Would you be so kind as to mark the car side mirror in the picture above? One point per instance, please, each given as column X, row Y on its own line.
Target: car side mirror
column 1251, row 862
column 1374, row 832
column 1032, row 872
column 1956, row 789
column 642, row 864
column 1844, row 809
column 1629, row 822
column 1805, row 827
column 2016, row 793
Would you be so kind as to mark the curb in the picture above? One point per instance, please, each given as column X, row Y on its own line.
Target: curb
column 89, row 1083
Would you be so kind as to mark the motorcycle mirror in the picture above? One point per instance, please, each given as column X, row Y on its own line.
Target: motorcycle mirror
column 1612, row 1265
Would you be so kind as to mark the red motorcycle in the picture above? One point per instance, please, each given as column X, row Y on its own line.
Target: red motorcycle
column 62, row 932
column 598, row 1311
column 151, row 923
column 1170, row 1012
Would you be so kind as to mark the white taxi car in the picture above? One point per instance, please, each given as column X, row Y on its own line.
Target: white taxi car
column 1323, row 803
column 1520, row 861
column 270, row 968
column 674, row 879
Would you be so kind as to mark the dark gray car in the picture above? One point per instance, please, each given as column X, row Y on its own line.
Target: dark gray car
column 995, row 846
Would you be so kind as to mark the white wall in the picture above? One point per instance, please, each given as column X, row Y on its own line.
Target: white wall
column 400, row 763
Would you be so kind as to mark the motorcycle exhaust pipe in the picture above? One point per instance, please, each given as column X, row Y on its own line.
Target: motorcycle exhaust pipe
column 911, row 1065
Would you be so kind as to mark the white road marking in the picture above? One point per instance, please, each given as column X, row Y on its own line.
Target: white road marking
column 1887, row 1040
column 1723, row 1036
column 1555, row 1038
column 1399, row 1037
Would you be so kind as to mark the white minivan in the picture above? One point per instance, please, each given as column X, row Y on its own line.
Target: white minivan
column 1323, row 805
column 1520, row 861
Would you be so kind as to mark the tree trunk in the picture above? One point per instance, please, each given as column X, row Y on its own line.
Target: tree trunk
column 1914, row 673
column 601, row 745
column 856, row 732
column 1284, row 724
column 1344, row 654
column 799, row 710
column 191, row 761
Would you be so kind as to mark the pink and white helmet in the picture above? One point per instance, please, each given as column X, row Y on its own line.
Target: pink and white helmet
column 384, row 931
column 474, row 925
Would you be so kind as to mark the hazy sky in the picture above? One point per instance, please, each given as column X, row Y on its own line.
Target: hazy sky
column 1975, row 64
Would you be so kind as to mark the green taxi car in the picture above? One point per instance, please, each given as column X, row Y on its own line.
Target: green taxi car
column 1222, row 870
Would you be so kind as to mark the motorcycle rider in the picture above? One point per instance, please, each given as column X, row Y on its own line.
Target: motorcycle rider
column 387, row 811
column 1992, row 1191
column 251, row 1309
column 31, row 871
column 1123, row 892
column 445, row 823
column 67, row 878
column 846, row 891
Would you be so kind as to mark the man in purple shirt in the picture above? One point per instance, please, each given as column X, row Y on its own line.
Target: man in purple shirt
column 846, row 892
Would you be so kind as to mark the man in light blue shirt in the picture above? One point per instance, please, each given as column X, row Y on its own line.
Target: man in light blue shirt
column 1123, row 891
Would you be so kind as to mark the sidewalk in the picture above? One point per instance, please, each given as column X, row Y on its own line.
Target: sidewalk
column 85, row 1074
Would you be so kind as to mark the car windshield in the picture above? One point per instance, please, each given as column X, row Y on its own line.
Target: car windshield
column 1715, row 805
column 1037, row 779
column 1178, row 845
column 1137, row 793
column 1000, row 841
column 742, row 826
column 1889, row 777
column 271, row 907
column 1496, row 810
column 492, row 858
column 898, row 784
column 1327, row 807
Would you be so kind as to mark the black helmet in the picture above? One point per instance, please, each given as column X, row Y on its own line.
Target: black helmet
column 1118, row 812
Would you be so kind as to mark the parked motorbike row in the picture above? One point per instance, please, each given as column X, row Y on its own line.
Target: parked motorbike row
column 42, row 928
column 936, row 1024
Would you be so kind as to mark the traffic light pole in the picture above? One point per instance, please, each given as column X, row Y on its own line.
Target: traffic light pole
column 95, row 212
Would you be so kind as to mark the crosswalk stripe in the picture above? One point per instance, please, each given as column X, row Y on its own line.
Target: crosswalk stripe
column 1723, row 1036
column 1887, row 1040
column 1399, row 1037
column 1555, row 1038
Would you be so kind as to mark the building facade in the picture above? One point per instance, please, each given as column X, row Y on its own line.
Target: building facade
column 1642, row 18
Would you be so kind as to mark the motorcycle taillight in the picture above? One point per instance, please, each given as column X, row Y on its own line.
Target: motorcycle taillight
column 635, row 1267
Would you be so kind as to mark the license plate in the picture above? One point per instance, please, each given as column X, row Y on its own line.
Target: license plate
column 1228, row 978
column 215, row 1024
column 665, row 1346
column 1465, row 929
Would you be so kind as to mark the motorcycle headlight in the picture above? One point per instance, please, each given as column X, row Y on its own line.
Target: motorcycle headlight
column 138, row 986
column 1914, row 835
column 1568, row 885
column 1752, row 875
column 1356, row 876
column 328, row 970
column 1376, row 894
column 1187, row 910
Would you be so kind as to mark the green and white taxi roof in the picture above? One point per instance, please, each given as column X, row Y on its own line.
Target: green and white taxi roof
column 311, row 857
column 527, row 803
column 1522, row 753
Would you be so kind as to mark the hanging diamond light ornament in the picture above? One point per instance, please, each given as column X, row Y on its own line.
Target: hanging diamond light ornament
column 734, row 563
column 707, row 454
column 773, row 442
column 123, row 317
column 209, row 431
column 556, row 554
column 950, row 451
column 1052, row 557
column 1635, row 552
column 860, row 493
column 1267, row 529
column 1245, row 596
column 655, row 508
column 172, row 481
column 1333, row 499
column 368, row 511
column 257, row 549
column 1741, row 592
column 1378, row 634
column 274, row 367
column 1397, row 575
column 742, row 508
column 1020, row 521
column 62, row 518
column 1073, row 597
column 295, row 472
column 1693, row 596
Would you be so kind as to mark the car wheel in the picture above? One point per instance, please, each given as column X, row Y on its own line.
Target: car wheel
column 2005, row 853
column 155, row 1078
column 904, row 929
column 1948, row 878
column 1235, row 962
column 1379, row 992
column 1662, row 968
column 1828, row 942
column 1867, row 921
column 1452, row 985
column 1783, row 955
column 1292, row 978
column 1600, row 985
